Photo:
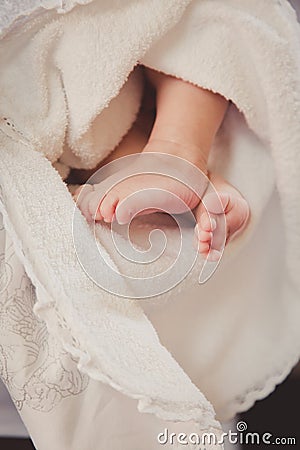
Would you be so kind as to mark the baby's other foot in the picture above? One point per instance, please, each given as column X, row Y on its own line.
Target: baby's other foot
column 211, row 229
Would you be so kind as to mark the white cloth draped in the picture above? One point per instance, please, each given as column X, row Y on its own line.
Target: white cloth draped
column 70, row 350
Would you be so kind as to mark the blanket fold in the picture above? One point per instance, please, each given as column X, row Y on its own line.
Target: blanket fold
column 70, row 91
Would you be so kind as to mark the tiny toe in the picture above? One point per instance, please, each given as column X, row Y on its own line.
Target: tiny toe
column 83, row 201
column 207, row 222
column 94, row 202
column 205, row 236
column 108, row 207
column 204, row 247
column 202, row 235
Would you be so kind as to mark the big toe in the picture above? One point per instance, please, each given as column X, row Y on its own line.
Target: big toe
column 135, row 203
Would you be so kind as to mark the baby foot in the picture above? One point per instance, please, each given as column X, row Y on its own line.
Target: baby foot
column 143, row 193
column 210, row 225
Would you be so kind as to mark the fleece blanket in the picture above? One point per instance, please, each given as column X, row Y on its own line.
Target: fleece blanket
column 73, row 352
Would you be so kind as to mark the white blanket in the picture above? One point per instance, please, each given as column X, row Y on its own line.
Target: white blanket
column 63, row 93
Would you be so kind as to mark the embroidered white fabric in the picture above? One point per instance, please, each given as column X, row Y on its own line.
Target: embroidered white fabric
column 51, row 373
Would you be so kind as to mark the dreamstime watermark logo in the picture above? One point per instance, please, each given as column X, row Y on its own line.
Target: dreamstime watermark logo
column 240, row 437
column 162, row 183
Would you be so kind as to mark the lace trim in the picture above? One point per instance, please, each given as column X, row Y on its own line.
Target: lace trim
column 247, row 400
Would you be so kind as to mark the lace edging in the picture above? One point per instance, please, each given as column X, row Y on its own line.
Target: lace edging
column 269, row 385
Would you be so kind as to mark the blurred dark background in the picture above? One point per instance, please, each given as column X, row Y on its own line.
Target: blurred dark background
column 278, row 414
